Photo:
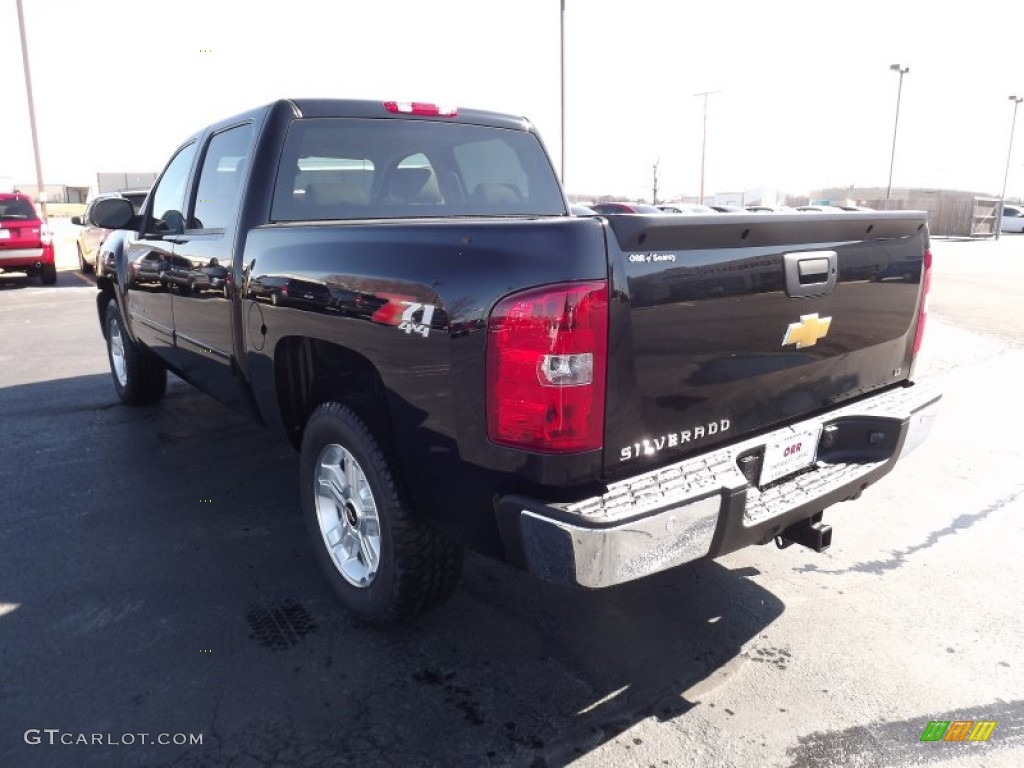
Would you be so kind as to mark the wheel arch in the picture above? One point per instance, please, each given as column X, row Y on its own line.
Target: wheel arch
column 309, row 372
column 103, row 298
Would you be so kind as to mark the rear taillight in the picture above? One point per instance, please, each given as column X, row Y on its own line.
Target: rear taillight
column 926, row 284
column 419, row 108
column 546, row 358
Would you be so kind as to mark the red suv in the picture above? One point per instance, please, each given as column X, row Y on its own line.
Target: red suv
column 25, row 241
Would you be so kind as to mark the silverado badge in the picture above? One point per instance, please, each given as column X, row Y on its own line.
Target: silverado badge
column 807, row 332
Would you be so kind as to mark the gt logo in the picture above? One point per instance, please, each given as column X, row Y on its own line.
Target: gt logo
column 409, row 324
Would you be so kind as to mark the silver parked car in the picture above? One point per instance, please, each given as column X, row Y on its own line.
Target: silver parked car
column 770, row 209
column 686, row 208
column 819, row 208
column 91, row 237
column 1013, row 219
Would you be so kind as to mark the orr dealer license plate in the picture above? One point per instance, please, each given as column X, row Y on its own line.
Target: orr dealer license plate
column 789, row 454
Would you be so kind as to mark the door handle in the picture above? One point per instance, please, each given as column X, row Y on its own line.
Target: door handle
column 810, row 273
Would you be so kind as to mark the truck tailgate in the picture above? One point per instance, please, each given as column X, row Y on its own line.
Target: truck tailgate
column 723, row 326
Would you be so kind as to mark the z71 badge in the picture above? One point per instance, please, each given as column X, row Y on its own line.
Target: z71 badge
column 410, row 316
column 409, row 324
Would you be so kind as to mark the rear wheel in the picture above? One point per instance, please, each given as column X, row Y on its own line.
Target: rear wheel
column 139, row 376
column 84, row 266
column 48, row 274
column 385, row 566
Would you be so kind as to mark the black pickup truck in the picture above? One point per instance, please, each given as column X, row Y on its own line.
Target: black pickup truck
column 400, row 290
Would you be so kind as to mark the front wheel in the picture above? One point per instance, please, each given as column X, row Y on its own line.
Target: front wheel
column 139, row 376
column 385, row 566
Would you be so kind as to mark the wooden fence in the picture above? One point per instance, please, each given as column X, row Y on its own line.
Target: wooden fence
column 959, row 216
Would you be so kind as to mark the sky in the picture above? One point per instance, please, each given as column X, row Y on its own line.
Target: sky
column 805, row 97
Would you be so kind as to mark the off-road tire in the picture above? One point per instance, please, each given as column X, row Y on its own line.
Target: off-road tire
column 418, row 569
column 143, row 378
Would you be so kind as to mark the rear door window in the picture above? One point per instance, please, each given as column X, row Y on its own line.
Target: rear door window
column 356, row 168
column 220, row 180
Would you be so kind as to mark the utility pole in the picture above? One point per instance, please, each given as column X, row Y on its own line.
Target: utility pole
column 899, row 93
column 654, row 195
column 562, row 92
column 704, row 140
column 1006, row 176
column 32, row 113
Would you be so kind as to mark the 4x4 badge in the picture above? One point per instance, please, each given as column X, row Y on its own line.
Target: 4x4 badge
column 807, row 332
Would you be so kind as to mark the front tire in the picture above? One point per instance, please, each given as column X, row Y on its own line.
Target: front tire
column 384, row 565
column 139, row 376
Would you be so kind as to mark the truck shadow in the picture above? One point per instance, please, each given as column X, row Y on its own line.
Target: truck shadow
column 177, row 593
column 600, row 662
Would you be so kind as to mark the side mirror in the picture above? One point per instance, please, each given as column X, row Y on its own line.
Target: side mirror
column 113, row 213
column 77, row 220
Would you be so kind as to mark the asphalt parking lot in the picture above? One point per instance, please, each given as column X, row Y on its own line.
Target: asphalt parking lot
column 155, row 579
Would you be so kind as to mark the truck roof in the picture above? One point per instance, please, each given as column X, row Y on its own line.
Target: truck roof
column 365, row 108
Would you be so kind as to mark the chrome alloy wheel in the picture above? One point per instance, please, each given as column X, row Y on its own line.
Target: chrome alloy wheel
column 117, row 354
column 347, row 514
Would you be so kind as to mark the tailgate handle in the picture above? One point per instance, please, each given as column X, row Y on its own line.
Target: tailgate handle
column 810, row 273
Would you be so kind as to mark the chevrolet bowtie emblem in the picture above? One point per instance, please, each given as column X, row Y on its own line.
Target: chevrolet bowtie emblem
column 807, row 332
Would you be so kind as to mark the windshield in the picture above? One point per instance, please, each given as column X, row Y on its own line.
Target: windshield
column 348, row 168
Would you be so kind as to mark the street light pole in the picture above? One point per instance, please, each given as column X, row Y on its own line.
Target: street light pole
column 32, row 113
column 1009, row 153
column 704, row 140
column 899, row 94
column 562, row 92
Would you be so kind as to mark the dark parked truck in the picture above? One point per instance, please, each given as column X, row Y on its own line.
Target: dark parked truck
column 400, row 291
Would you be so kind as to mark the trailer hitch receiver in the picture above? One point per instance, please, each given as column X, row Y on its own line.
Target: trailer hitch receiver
column 810, row 533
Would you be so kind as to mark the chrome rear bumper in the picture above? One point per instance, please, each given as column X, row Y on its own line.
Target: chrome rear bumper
column 705, row 505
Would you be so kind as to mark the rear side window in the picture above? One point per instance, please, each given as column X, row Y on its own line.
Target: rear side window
column 356, row 168
column 220, row 180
